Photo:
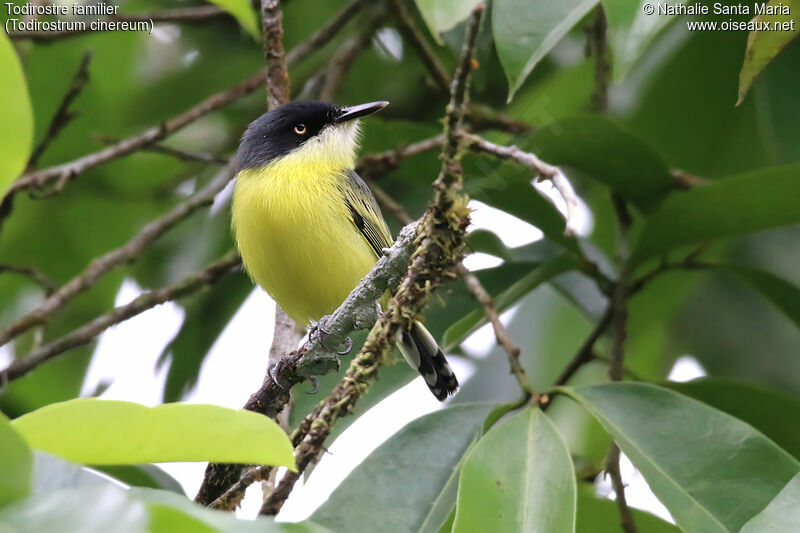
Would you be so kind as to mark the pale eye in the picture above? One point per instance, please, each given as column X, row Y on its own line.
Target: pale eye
column 300, row 129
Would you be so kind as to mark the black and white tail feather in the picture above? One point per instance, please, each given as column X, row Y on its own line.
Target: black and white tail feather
column 423, row 354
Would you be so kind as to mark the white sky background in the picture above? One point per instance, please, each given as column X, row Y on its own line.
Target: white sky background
column 126, row 358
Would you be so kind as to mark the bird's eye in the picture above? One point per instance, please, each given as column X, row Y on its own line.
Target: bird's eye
column 300, row 129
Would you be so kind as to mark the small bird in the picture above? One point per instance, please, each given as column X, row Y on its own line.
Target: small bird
column 308, row 227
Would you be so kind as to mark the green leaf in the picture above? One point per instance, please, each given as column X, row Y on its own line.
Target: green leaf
column 608, row 152
column 518, row 478
column 92, row 431
column 630, row 31
column 526, row 30
column 763, row 46
column 465, row 326
column 243, row 11
column 782, row 294
column 16, row 464
column 171, row 508
column 599, row 515
column 781, row 514
column 409, row 482
column 443, row 15
column 146, row 475
column 16, row 116
column 51, row 473
column 765, row 409
column 712, row 471
column 87, row 509
column 727, row 207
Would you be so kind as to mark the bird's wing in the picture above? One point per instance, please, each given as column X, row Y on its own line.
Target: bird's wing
column 365, row 212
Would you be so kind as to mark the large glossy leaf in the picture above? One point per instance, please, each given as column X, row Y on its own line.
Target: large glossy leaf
column 782, row 294
column 732, row 206
column 244, row 13
column 609, row 152
column 782, row 513
column 764, row 44
column 518, row 478
column 16, row 464
column 99, row 432
column 526, row 30
column 712, row 471
column 765, row 409
column 596, row 515
column 465, row 326
column 443, row 15
column 87, row 509
column 16, row 116
column 408, row 483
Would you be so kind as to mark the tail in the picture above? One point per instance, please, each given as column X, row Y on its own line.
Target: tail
column 423, row 354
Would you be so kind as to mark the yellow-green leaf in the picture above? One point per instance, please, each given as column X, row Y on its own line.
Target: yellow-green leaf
column 16, row 116
column 243, row 11
column 764, row 44
column 101, row 432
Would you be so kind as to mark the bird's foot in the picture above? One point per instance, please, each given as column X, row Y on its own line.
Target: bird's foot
column 348, row 345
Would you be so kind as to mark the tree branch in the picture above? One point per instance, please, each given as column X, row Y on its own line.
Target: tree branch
column 612, row 467
column 124, row 254
column 274, row 55
column 63, row 116
column 83, row 335
column 441, row 243
column 372, row 165
column 33, row 274
column 480, row 293
column 585, row 353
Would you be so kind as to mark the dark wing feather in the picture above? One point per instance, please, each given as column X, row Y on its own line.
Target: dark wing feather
column 365, row 212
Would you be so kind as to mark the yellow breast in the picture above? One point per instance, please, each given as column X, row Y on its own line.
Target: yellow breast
column 296, row 236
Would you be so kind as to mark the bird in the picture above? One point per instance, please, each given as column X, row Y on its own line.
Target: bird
column 308, row 227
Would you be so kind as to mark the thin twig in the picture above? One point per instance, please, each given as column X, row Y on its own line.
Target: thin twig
column 124, row 254
column 181, row 15
column 542, row 170
column 441, row 238
column 33, row 274
column 63, row 115
column 372, row 165
column 585, row 353
column 86, row 333
column 343, row 60
column 181, row 155
column 612, row 467
column 500, row 332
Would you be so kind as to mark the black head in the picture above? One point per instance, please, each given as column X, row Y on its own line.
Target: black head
column 287, row 127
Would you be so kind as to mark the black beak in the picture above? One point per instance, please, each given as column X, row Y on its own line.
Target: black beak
column 356, row 111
